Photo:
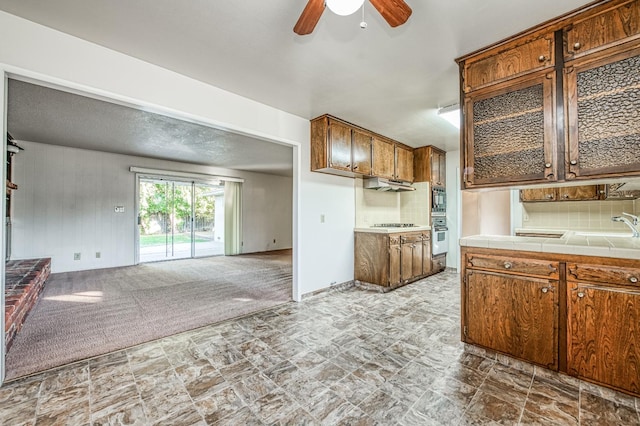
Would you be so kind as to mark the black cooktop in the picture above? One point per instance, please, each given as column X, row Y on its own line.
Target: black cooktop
column 393, row 225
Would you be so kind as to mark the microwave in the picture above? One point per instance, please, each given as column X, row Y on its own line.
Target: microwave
column 438, row 200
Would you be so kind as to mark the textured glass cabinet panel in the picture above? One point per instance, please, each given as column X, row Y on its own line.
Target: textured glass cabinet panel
column 508, row 135
column 608, row 114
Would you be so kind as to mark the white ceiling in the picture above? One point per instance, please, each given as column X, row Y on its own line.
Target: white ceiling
column 390, row 80
column 46, row 115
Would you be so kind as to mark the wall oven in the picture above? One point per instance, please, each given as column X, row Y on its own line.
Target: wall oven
column 439, row 236
column 438, row 200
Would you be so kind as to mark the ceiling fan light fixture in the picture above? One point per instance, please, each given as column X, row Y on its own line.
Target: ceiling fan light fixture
column 344, row 7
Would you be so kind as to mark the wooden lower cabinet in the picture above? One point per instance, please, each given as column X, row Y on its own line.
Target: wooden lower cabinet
column 514, row 315
column 604, row 334
column 582, row 319
column 438, row 263
column 392, row 260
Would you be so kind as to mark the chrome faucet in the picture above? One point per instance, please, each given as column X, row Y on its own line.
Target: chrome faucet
column 632, row 216
column 627, row 222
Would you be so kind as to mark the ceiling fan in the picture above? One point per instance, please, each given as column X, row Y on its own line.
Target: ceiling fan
column 395, row 12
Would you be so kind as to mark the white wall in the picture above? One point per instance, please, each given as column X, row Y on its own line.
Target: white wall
column 66, row 201
column 486, row 212
column 453, row 209
column 324, row 253
column 392, row 207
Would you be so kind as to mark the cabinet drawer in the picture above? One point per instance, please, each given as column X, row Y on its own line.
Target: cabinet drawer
column 603, row 29
column 510, row 62
column 411, row 238
column 514, row 265
column 603, row 274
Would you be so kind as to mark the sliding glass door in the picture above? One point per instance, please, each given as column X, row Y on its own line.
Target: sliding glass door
column 177, row 220
column 208, row 220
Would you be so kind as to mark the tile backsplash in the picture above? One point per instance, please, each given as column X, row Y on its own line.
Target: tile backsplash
column 391, row 207
column 578, row 215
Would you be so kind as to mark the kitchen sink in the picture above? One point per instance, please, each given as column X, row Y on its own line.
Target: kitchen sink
column 604, row 234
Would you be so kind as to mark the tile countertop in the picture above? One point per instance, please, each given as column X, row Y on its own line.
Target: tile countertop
column 613, row 244
column 393, row 230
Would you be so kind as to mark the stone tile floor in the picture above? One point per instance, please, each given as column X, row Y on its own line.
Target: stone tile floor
column 349, row 357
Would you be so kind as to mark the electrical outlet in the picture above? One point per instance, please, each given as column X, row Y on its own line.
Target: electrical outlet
column 76, row 256
column 98, row 255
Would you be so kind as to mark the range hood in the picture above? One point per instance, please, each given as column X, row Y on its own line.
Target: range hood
column 381, row 184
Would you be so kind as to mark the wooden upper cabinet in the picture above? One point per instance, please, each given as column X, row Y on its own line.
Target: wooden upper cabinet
column 567, row 193
column 510, row 133
column 602, row 28
column 429, row 165
column 604, row 341
column 602, row 107
column 339, row 146
column 438, row 168
column 404, row 164
column 508, row 61
column 579, row 193
column 361, row 152
column 343, row 149
column 537, row 194
column 383, row 158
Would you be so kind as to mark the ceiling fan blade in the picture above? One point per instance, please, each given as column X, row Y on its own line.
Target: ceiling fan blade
column 309, row 17
column 395, row 12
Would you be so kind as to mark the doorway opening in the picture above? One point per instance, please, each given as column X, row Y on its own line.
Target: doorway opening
column 179, row 219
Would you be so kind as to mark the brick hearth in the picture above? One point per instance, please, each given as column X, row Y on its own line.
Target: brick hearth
column 24, row 282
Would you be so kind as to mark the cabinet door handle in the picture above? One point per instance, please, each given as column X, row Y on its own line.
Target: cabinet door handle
column 547, row 165
column 545, row 290
column 355, row 167
column 565, row 196
column 573, row 162
column 577, row 46
column 633, row 279
column 507, row 265
column 542, row 58
column 549, row 196
column 580, row 294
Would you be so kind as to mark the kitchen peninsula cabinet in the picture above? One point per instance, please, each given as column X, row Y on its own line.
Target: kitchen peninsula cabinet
column 604, row 325
column 390, row 260
column 569, row 117
column 576, row 314
column 521, row 318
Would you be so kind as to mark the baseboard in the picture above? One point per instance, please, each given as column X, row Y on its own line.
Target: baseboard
column 335, row 287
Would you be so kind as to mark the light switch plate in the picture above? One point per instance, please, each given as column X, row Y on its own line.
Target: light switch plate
column 119, row 209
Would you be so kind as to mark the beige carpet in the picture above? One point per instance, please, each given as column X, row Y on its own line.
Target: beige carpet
column 88, row 313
